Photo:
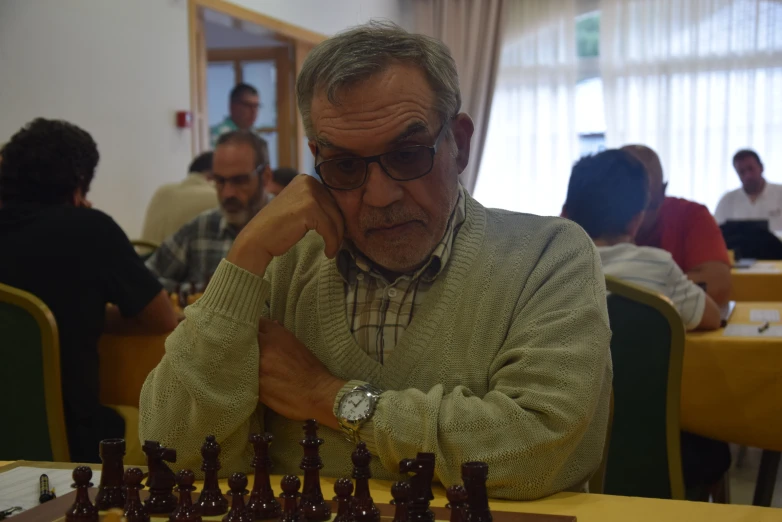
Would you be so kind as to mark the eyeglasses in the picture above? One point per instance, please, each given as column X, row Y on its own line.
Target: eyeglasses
column 405, row 164
column 238, row 181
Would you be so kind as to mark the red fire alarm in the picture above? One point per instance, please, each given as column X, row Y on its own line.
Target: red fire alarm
column 184, row 119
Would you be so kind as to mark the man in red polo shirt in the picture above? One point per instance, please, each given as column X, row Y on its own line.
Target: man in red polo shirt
column 685, row 229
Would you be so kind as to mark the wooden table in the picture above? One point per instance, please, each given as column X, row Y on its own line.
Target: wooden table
column 586, row 507
column 763, row 282
column 732, row 391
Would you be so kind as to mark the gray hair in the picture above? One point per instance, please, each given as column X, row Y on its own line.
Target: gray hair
column 358, row 53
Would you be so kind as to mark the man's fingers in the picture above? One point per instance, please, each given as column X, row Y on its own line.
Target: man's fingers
column 265, row 325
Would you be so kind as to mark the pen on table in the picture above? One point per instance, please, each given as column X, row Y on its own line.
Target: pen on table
column 763, row 328
column 45, row 494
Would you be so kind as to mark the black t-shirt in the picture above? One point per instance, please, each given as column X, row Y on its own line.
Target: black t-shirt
column 76, row 260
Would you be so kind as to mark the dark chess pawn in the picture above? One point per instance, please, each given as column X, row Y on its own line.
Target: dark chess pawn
column 343, row 488
column 474, row 475
column 134, row 509
column 457, row 502
column 238, row 489
column 185, row 511
column 211, row 501
column 313, row 506
column 400, row 491
column 362, row 508
column 290, row 485
column 161, row 479
column 82, row 509
column 111, row 491
column 262, row 503
column 420, row 486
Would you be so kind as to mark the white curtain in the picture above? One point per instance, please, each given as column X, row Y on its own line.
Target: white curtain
column 531, row 141
column 696, row 80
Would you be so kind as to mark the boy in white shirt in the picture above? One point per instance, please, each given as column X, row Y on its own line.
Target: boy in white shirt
column 607, row 195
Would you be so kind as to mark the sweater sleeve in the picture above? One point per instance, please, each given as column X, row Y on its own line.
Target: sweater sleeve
column 541, row 427
column 207, row 381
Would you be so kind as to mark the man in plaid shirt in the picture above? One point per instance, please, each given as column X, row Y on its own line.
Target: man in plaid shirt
column 192, row 254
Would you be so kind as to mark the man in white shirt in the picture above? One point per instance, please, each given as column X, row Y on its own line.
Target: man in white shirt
column 756, row 199
column 175, row 204
column 607, row 195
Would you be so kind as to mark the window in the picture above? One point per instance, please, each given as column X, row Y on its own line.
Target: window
column 590, row 116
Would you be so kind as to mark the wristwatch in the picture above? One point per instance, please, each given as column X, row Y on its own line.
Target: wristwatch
column 355, row 408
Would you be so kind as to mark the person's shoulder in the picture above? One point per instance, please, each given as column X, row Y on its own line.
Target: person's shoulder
column 207, row 220
column 628, row 252
column 517, row 227
column 684, row 208
column 731, row 194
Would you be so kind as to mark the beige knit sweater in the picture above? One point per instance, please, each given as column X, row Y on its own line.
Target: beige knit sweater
column 507, row 361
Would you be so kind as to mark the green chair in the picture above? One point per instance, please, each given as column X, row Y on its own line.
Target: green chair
column 647, row 348
column 30, row 389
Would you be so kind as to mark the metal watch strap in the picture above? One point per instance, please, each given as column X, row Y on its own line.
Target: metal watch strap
column 351, row 429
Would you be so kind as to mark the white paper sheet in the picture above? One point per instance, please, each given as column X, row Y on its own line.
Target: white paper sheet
column 751, row 330
column 761, row 268
column 21, row 487
column 763, row 316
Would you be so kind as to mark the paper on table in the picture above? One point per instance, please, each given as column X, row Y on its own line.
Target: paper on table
column 20, row 486
column 761, row 268
column 763, row 316
column 751, row 330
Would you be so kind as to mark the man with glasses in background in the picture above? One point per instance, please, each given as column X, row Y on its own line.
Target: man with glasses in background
column 389, row 305
column 243, row 106
column 190, row 256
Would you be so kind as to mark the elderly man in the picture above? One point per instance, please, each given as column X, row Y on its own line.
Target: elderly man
column 190, row 256
column 685, row 229
column 389, row 305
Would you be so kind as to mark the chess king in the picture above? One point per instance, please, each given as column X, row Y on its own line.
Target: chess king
column 385, row 302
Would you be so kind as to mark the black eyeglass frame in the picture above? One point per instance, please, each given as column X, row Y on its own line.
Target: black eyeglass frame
column 368, row 160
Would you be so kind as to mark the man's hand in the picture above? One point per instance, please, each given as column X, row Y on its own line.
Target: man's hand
column 304, row 205
column 291, row 380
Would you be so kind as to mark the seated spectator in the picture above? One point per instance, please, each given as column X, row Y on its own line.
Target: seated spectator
column 278, row 180
column 79, row 262
column 685, row 229
column 175, row 204
column 756, row 199
column 607, row 195
column 191, row 255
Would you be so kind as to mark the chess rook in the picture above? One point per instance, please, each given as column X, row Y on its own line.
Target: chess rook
column 134, row 509
column 211, row 501
column 82, row 509
column 474, row 475
column 343, row 489
column 421, row 494
column 185, row 511
column 161, row 479
column 362, row 508
column 237, row 485
column 290, row 485
column 262, row 503
column 111, row 491
column 313, row 507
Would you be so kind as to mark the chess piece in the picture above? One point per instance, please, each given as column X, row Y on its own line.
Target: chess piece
column 400, row 491
column 161, row 479
column 312, row 506
column 238, row 486
column 262, row 503
column 185, row 511
column 474, row 475
column 457, row 500
column 134, row 509
column 82, row 509
column 111, row 491
column 290, row 485
column 420, row 486
column 343, row 488
column 211, row 501
column 362, row 508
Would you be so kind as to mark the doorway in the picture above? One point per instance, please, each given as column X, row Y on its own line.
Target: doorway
column 231, row 45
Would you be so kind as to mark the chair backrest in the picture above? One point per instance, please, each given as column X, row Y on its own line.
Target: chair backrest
column 647, row 348
column 30, row 387
column 144, row 248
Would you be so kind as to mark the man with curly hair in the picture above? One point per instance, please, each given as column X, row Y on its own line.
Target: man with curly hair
column 78, row 261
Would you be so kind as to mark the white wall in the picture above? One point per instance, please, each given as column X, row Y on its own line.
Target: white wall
column 331, row 16
column 118, row 69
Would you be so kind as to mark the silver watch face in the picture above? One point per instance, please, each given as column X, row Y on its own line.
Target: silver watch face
column 355, row 405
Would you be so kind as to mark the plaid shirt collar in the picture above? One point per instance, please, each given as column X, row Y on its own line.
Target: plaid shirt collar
column 225, row 230
column 351, row 260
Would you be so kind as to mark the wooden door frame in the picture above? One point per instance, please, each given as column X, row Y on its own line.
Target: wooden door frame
column 299, row 37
